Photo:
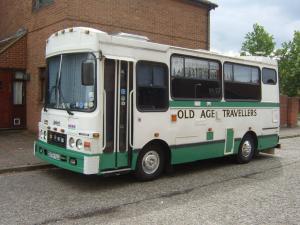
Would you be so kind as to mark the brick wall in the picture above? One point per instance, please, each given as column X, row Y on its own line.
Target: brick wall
column 283, row 110
column 174, row 22
column 289, row 107
column 15, row 14
column 15, row 56
column 292, row 112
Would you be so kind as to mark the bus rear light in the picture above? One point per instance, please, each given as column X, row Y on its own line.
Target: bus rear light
column 173, row 117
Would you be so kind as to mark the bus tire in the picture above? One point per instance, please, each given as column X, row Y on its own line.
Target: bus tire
column 246, row 150
column 150, row 163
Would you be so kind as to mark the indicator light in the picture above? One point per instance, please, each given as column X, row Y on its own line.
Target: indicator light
column 173, row 117
column 96, row 135
column 87, row 144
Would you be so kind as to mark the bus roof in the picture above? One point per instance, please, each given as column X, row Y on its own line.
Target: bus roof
column 137, row 41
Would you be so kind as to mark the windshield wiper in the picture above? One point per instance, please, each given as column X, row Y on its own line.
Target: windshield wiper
column 63, row 100
column 50, row 95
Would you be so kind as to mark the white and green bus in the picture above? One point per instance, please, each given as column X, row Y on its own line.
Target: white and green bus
column 120, row 103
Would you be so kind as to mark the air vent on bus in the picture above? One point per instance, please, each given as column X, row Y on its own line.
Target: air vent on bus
column 132, row 36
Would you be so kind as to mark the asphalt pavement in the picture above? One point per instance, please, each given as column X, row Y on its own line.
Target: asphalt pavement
column 265, row 191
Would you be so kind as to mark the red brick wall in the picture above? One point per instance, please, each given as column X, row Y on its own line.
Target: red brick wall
column 292, row 112
column 174, row 22
column 15, row 14
column 289, row 107
column 15, row 56
column 283, row 110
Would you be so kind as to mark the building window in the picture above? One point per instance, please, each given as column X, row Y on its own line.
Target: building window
column 18, row 92
column 241, row 82
column 152, row 86
column 269, row 76
column 42, row 80
column 37, row 4
column 194, row 78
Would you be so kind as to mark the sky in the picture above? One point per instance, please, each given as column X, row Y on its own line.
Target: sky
column 233, row 19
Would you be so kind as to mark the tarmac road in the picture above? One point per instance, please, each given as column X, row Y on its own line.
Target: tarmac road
column 265, row 191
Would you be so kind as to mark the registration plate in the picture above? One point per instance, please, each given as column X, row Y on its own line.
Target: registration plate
column 54, row 155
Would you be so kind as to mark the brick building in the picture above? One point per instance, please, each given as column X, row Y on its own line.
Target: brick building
column 26, row 24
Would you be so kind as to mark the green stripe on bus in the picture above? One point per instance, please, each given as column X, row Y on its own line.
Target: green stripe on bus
column 41, row 147
column 108, row 160
column 267, row 142
column 207, row 150
column 179, row 154
column 190, row 104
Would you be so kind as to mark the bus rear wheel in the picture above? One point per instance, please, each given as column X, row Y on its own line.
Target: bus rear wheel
column 246, row 150
column 150, row 163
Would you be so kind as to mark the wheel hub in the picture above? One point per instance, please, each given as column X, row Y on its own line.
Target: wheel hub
column 246, row 149
column 150, row 162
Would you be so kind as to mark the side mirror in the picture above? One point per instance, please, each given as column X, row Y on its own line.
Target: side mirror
column 87, row 73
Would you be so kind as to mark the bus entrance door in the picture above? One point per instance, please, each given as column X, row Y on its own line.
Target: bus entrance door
column 118, row 77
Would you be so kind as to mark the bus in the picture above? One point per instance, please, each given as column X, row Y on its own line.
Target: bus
column 119, row 103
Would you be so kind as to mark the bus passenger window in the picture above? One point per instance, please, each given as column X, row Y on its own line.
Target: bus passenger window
column 152, row 86
column 241, row 82
column 195, row 78
column 269, row 76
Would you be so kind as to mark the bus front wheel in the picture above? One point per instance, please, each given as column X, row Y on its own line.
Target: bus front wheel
column 246, row 150
column 150, row 163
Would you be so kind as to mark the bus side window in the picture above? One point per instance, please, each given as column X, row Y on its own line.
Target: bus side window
column 152, row 86
column 269, row 76
column 195, row 78
column 241, row 82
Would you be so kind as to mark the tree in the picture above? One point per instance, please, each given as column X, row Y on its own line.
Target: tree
column 258, row 42
column 289, row 66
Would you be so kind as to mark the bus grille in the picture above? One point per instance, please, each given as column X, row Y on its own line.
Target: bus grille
column 57, row 139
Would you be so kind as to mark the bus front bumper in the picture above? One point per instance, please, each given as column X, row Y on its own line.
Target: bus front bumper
column 67, row 159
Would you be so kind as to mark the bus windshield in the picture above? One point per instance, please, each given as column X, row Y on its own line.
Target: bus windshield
column 66, row 88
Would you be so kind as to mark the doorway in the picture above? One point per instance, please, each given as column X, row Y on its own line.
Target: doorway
column 12, row 100
column 118, row 77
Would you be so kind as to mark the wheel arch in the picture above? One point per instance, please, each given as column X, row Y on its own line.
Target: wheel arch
column 164, row 147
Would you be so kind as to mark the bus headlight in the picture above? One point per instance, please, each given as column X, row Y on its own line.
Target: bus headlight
column 79, row 144
column 45, row 135
column 72, row 142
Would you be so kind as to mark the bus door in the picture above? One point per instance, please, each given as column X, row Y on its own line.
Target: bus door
column 118, row 79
